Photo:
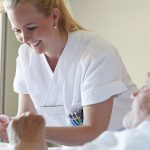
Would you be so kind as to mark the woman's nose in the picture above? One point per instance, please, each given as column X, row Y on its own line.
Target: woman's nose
column 24, row 37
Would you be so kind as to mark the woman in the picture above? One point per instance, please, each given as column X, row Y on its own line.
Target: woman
column 66, row 73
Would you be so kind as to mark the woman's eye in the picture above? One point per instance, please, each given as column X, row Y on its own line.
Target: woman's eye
column 31, row 28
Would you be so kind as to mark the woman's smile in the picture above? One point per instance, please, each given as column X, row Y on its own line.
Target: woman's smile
column 35, row 44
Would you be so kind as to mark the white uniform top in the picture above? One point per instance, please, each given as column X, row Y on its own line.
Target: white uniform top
column 89, row 71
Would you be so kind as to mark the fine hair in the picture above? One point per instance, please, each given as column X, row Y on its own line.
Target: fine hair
column 66, row 22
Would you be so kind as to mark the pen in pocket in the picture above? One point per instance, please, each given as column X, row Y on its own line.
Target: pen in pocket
column 76, row 117
column 73, row 121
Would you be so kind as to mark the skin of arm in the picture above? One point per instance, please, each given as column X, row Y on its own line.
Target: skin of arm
column 25, row 104
column 96, row 120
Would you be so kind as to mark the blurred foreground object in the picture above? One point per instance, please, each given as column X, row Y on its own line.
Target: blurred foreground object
column 27, row 133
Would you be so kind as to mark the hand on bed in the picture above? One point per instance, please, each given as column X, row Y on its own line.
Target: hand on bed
column 4, row 121
column 27, row 132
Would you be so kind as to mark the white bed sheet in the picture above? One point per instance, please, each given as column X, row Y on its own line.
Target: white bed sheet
column 5, row 146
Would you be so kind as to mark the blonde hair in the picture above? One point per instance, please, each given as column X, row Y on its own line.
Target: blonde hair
column 66, row 21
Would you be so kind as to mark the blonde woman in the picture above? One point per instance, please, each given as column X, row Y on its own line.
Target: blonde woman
column 71, row 76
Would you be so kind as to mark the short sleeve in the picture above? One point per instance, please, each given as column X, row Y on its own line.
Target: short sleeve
column 103, row 78
column 19, row 81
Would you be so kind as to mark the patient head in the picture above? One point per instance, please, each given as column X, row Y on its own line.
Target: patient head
column 140, row 108
column 25, row 132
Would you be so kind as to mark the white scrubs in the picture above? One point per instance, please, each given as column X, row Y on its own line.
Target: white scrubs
column 89, row 71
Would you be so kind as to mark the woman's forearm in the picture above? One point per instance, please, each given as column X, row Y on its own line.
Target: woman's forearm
column 72, row 136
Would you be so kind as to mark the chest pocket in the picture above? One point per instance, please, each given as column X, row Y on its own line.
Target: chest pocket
column 54, row 115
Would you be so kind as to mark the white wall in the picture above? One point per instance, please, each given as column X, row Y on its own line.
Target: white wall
column 126, row 24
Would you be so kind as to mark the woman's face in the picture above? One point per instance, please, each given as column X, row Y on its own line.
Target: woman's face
column 32, row 28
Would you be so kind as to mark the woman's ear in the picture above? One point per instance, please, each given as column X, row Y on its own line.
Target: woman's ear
column 55, row 16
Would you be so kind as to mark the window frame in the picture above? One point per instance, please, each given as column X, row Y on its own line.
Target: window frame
column 2, row 59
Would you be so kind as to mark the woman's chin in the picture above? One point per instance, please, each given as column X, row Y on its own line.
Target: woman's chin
column 38, row 50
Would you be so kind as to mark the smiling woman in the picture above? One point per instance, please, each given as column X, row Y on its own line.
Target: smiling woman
column 63, row 69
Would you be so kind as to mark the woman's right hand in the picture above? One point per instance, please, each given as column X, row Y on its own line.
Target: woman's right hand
column 4, row 121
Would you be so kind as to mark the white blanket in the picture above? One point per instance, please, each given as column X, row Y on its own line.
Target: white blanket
column 5, row 146
column 131, row 139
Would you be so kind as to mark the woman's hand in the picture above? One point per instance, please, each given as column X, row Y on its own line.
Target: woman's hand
column 4, row 121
